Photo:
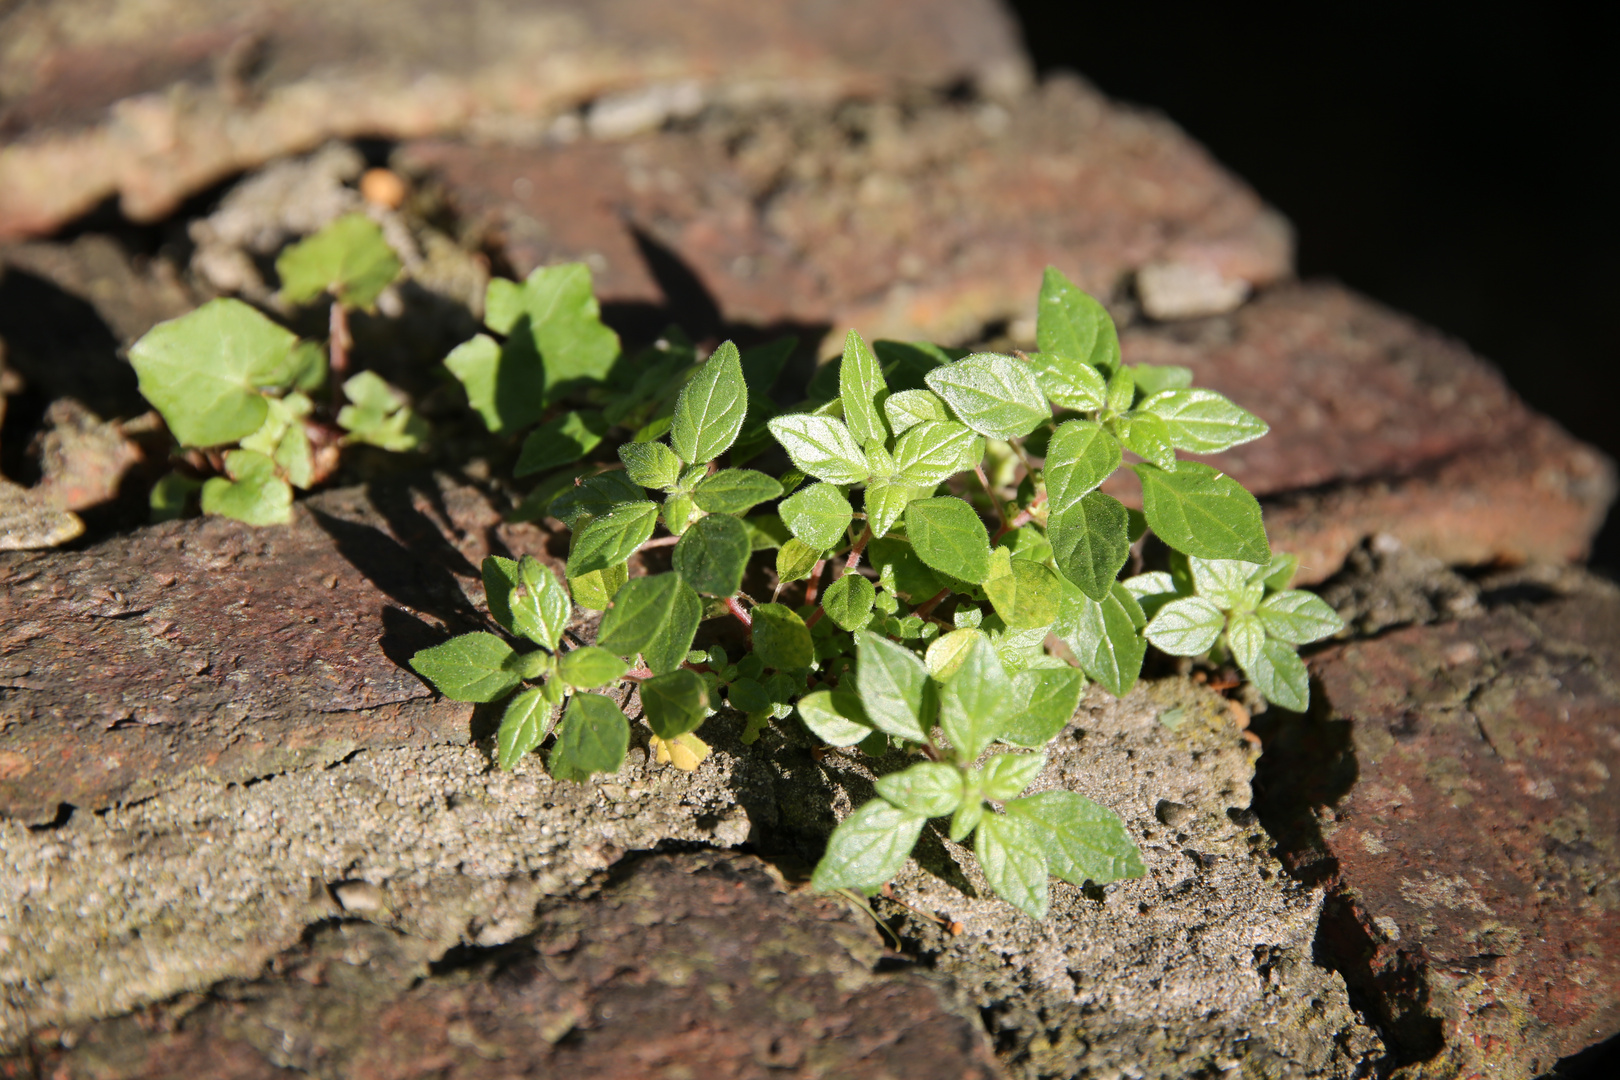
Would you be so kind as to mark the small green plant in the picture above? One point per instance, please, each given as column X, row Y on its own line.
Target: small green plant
column 235, row 388
column 930, row 639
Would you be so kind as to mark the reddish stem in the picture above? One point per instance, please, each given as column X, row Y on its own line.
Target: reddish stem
column 338, row 329
column 855, row 552
column 660, row 541
column 926, row 608
column 1024, row 518
column 812, row 585
column 739, row 611
column 815, row 617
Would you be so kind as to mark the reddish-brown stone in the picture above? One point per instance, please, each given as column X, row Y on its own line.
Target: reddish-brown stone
column 153, row 103
column 685, row 965
column 1462, row 802
column 212, row 648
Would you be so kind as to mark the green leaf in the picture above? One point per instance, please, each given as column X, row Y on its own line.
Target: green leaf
column 1083, row 841
column 308, row 362
column 761, row 364
column 170, row 495
column 1232, row 585
column 655, row 616
column 471, row 667
column 1156, row 378
column 524, row 726
column 909, row 408
column 975, row 702
column 555, row 331
column 912, row 579
column 204, row 371
column 1090, row 542
column 1025, row 594
column 675, row 703
column 868, row 848
column 1186, row 627
column 966, row 818
column 710, row 409
column 1281, row 676
column 946, row 654
column 379, row 415
column 712, row 555
column 930, row 788
column 735, row 491
column 819, row 515
column 1007, row 775
column 593, row 739
column 538, row 604
column 1202, row 421
column 994, row 395
column 821, row 447
column 1298, row 617
column 748, row 695
column 781, row 639
column 1071, row 325
column 677, row 512
column 651, row 464
column 1201, row 512
column 1280, row 571
column 1245, row 635
column 861, row 388
column 894, row 687
column 835, row 717
column 1044, row 700
column 595, row 495
column 766, row 531
column 254, row 493
column 559, row 441
column 589, row 667
column 948, row 537
column 1146, row 436
column 933, row 451
column 1068, row 383
column 1121, row 390
column 885, row 503
column 1152, row 590
column 505, row 384
column 1014, row 862
column 1103, row 636
column 596, row 590
column 906, row 364
column 796, row 559
column 848, row 601
column 348, row 258
column 613, row 537
column 1079, row 458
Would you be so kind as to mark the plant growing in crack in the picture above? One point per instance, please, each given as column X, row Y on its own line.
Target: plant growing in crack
column 931, row 638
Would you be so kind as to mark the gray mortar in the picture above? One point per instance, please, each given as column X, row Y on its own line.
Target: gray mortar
column 1201, row 966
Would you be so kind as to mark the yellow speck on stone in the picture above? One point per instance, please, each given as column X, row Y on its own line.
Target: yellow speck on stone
column 685, row 752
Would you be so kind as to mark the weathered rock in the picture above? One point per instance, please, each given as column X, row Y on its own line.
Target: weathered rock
column 934, row 220
column 1458, row 796
column 153, row 102
column 1382, row 426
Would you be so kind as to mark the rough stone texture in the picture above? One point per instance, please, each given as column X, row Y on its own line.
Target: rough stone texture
column 206, row 649
column 1458, row 796
column 1382, row 426
column 681, row 965
column 924, row 220
column 156, row 99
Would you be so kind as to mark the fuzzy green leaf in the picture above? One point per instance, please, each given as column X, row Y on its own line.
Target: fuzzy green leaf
column 930, row 788
column 848, row 601
column 589, row 667
column 1154, row 379
column 204, row 371
column 652, row 616
column 711, row 407
column 835, row 717
column 1069, row 384
column 1298, row 617
column 471, row 667
column 933, row 451
column 1202, row 421
column 1121, row 390
column 966, row 819
column 766, row 531
column 593, row 738
column 1007, row 775
column 1025, row 594
column 537, row 603
column 1201, row 512
column 734, row 491
column 613, row 537
column 821, row 446
column 1014, row 862
column 595, row 495
column 1044, row 700
column 559, row 441
column 595, row 591
column 556, row 337
column 651, row 464
column 781, row 639
column 712, row 555
column 885, row 502
column 1079, row 458
column 795, row 560
column 170, row 495
column 1090, row 542
column 861, row 388
column 1103, row 636
column 948, row 537
column 348, row 258
column 254, row 493
column 819, row 515
column 1146, row 436
column 1071, row 325
column 761, row 364
column 1083, row 840
column 675, row 703
column 868, row 848
column 1232, row 585
column 908, row 408
column 906, row 364
column 994, row 395
column 911, row 578
column 894, row 687
column 975, row 702
column 1280, row 571
column 1152, row 590
column 1186, row 627
column 524, row 726
column 379, row 415
column 1272, row 666
column 505, row 384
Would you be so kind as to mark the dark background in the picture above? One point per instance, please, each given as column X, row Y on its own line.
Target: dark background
column 1455, row 165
